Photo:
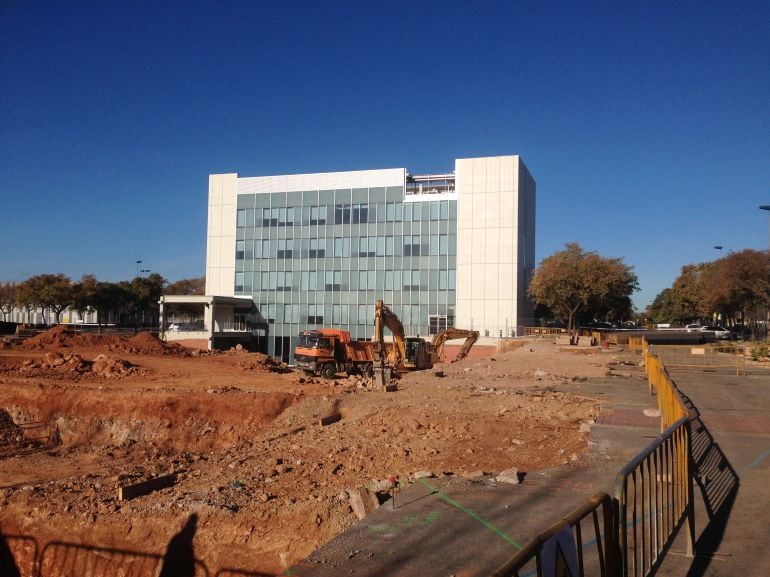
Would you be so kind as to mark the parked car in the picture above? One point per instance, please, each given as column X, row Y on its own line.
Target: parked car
column 693, row 328
column 719, row 331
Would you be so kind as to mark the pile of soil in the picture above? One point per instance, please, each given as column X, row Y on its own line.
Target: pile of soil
column 146, row 343
column 74, row 367
column 143, row 343
column 260, row 362
column 111, row 367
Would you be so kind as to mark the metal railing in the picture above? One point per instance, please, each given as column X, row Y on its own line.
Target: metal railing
column 596, row 555
column 701, row 356
column 544, row 331
column 653, row 499
column 669, row 403
column 654, row 496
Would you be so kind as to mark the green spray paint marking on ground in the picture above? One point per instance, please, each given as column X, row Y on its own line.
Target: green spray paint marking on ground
column 486, row 524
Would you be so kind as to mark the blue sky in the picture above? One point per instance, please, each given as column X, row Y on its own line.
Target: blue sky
column 645, row 124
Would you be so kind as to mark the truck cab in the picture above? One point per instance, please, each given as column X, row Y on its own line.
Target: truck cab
column 328, row 351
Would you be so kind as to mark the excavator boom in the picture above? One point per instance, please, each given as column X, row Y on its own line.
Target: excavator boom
column 451, row 334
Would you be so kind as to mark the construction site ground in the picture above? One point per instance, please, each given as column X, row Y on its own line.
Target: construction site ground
column 260, row 484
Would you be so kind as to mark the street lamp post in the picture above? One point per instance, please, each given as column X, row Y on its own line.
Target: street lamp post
column 767, row 207
column 138, row 262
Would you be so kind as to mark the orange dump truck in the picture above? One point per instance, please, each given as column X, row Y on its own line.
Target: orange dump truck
column 330, row 351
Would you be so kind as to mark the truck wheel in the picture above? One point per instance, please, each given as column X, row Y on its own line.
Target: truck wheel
column 328, row 371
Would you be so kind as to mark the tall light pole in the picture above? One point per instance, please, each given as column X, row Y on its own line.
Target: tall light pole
column 767, row 207
column 138, row 262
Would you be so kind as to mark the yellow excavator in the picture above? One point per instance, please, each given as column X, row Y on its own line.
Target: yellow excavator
column 406, row 353
column 451, row 334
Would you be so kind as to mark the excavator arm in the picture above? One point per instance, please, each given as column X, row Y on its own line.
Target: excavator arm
column 385, row 318
column 450, row 334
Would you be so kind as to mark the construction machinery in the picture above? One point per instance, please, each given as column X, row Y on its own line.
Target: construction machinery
column 451, row 334
column 327, row 352
column 406, row 353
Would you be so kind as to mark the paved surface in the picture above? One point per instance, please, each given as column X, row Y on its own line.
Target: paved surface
column 460, row 527
column 731, row 448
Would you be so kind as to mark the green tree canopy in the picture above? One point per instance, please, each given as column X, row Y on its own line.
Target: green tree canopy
column 574, row 281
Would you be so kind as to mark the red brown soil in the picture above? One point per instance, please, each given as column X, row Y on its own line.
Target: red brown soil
column 268, row 483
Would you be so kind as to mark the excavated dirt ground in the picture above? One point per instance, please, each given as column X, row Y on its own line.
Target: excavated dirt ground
column 267, row 481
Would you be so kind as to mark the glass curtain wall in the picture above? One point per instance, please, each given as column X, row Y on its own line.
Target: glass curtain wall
column 321, row 258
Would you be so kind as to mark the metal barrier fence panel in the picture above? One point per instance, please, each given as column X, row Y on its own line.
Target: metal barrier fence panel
column 654, row 495
column 701, row 356
column 544, row 331
column 593, row 534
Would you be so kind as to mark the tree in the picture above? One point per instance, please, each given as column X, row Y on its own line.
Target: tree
column 143, row 295
column 187, row 286
column 739, row 281
column 7, row 298
column 54, row 292
column 687, row 294
column 573, row 280
column 26, row 297
column 662, row 309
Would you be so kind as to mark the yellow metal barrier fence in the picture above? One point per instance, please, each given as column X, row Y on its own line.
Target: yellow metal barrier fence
column 654, row 495
column 595, row 556
column 701, row 356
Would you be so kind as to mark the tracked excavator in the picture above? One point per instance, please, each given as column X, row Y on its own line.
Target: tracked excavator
column 405, row 353
column 451, row 334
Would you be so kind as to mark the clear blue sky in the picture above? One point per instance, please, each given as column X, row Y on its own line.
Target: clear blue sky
column 645, row 124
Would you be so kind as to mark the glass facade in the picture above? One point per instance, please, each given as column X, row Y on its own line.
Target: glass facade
column 321, row 258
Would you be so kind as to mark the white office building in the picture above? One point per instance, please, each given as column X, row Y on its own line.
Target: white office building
column 318, row 250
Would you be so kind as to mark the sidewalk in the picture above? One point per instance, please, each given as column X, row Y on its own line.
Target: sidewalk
column 731, row 449
column 461, row 527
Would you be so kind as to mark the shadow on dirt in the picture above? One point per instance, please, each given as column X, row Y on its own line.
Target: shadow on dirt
column 20, row 557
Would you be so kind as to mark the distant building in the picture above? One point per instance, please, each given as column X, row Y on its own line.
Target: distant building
column 317, row 250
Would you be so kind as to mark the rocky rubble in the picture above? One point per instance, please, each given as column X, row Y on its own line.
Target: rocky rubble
column 103, row 366
column 271, row 491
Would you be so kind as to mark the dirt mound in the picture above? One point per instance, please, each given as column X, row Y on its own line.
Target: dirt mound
column 260, row 362
column 148, row 344
column 57, row 336
column 70, row 364
column 111, row 367
column 60, row 337
column 144, row 343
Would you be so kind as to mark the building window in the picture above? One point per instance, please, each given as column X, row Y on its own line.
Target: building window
column 317, row 248
column 285, row 248
column 437, row 323
column 238, row 281
column 341, row 247
column 360, row 213
column 341, row 214
column 240, row 246
column 315, row 314
column 241, row 218
column 412, row 245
